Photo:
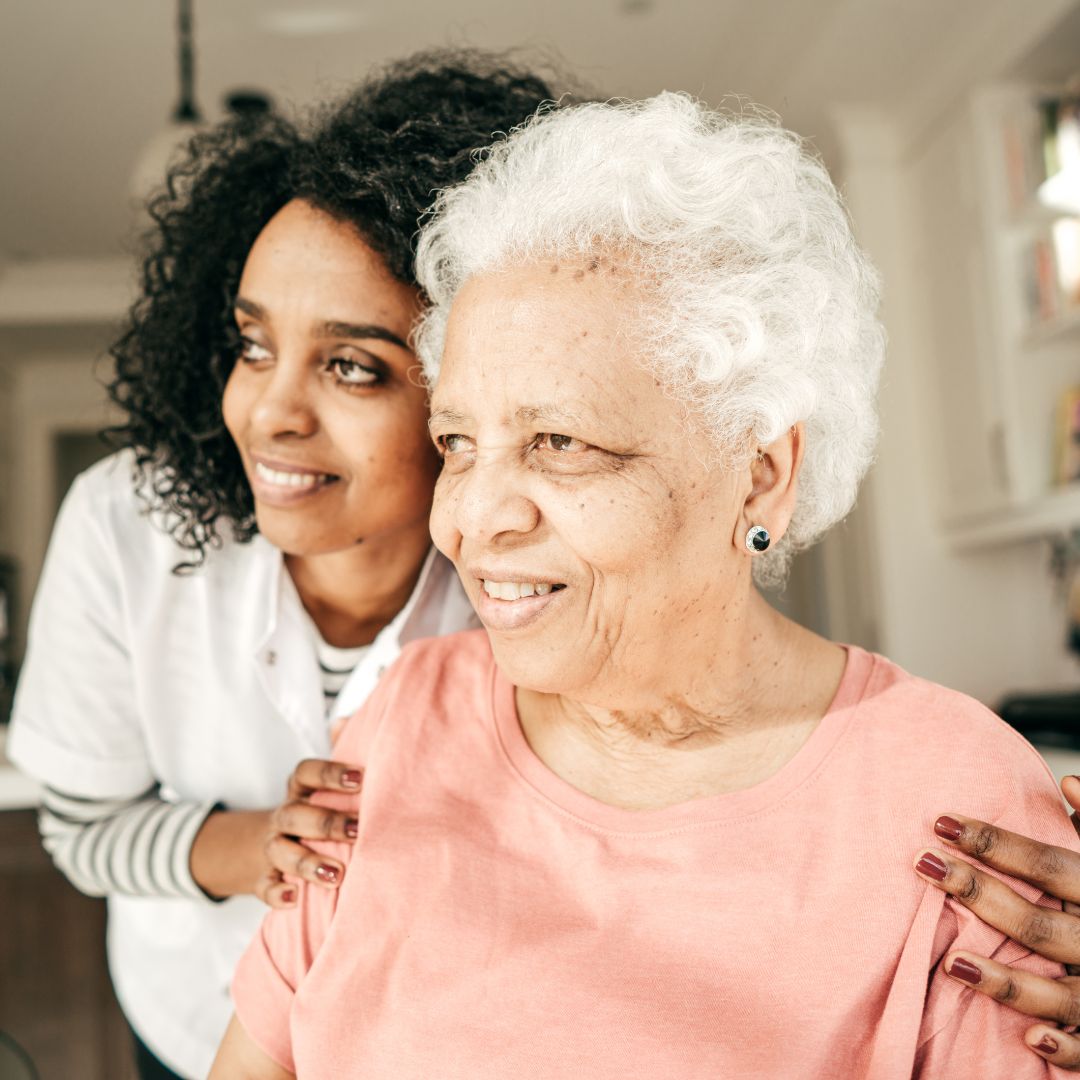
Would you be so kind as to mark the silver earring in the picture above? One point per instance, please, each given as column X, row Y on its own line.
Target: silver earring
column 757, row 539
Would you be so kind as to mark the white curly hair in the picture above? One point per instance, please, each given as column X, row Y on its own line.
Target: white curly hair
column 763, row 309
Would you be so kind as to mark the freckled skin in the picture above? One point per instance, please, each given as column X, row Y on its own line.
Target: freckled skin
column 659, row 644
column 660, row 544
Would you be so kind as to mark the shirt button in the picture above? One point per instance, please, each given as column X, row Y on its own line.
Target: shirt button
column 271, row 658
column 382, row 670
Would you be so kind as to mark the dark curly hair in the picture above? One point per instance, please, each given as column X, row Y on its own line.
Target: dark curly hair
column 373, row 159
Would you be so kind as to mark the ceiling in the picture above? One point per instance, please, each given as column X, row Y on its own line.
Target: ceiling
column 86, row 86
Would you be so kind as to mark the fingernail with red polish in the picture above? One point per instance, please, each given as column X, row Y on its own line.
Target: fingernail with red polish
column 932, row 867
column 962, row 969
column 948, row 828
column 1047, row 1045
column 351, row 778
column 352, row 828
column 329, row 874
column 288, row 896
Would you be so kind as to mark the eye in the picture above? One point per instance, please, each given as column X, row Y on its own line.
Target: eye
column 350, row 372
column 252, row 352
column 453, row 444
column 560, row 444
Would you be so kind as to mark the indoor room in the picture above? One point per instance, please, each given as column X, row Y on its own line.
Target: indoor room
column 951, row 131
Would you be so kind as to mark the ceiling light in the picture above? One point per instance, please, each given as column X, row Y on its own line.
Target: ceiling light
column 313, row 21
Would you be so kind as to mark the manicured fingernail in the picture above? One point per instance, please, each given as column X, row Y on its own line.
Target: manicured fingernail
column 948, row 828
column 351, row 778
column 329, row 874
column 962, row 969
column 288, row 896
column 931, row 866
column 1047, row 1045
column 352, row 828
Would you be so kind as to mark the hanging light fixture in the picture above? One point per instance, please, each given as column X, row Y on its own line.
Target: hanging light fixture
column 154, row 159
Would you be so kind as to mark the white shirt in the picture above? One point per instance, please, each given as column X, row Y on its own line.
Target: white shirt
column 206, row 682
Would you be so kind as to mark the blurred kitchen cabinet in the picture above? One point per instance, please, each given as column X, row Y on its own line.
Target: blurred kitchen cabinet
column 56, row 1001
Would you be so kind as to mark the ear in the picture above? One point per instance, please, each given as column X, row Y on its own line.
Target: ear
column 774, row 485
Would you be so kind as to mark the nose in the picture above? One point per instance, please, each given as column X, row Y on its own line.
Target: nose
column 490, row 503
column 283, row 406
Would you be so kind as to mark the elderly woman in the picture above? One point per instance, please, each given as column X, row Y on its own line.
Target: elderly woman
column 645, row 825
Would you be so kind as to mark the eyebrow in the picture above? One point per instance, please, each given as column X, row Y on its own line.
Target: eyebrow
column 547, row 416
column 449, row 417
column 527, row 415
column 331, row 328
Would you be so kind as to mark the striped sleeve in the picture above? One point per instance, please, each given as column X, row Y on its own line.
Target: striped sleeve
column 136, row 847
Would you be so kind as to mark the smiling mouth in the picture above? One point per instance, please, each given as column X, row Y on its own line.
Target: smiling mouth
column 517, row 590
column 291, row 481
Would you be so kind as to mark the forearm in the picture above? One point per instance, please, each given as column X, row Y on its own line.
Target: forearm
column 240, row 1058
column 134, row 847
column 227, row 856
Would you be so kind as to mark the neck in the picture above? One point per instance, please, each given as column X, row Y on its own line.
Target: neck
column 712, row 725
column 351, row 595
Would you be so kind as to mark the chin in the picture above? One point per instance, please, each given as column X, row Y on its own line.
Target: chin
column 535, row 668
column 294, row 539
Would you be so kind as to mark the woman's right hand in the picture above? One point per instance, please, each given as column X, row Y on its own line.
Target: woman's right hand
column 298, row 819
column 251, row 851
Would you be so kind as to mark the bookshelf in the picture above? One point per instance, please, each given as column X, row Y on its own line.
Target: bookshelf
column 1003, row 392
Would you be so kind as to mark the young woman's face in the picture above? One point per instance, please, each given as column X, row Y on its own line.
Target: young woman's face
column 325, row 402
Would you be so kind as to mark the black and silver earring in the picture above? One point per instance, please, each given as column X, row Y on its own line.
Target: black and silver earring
column 757, row 539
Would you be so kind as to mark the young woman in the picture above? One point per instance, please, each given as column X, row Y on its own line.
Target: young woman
column 242, row 573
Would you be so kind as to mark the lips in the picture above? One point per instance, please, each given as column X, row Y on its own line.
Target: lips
column 510, row 601
column 279, row 483
column 517, row 590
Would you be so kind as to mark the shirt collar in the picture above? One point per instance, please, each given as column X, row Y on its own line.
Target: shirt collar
column 407, row 625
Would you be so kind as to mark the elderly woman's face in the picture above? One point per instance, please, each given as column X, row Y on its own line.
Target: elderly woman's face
column 585, row 513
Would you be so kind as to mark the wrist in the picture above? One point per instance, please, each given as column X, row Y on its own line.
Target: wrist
column 227, row 857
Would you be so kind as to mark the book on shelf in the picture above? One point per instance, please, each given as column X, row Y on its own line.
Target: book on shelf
column 1067, row 465
column 1050, row 272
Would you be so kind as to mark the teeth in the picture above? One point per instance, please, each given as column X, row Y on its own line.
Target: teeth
column 288, row 479
column 515, row 590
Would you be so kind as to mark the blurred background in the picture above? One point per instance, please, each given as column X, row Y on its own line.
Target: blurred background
column 954, row 131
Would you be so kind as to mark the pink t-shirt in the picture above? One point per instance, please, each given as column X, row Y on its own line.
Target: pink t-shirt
column 497, row 924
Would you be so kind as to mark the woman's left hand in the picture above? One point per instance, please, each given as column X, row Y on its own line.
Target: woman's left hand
column 1050, row 933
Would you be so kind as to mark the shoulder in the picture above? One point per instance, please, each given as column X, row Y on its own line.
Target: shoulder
column 949, row 750
column 435, row 679
column 441, row 670
column 107, row 484
column 109, row 515
column 108, row 500
column 464, row 651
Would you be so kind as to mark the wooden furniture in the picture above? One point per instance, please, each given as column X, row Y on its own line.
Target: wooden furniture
column 56, row 1000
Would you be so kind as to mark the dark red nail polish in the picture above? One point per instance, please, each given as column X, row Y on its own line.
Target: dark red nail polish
column 932, row 867
column 948, row 828
column 329, row 874
column 962, row 969
column 1047, row 1045
column 352, row 828
column 351, row 778
column 288, row 896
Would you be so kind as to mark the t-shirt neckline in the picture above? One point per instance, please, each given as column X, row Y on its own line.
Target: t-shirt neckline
column 712, row 809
